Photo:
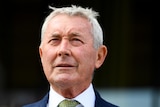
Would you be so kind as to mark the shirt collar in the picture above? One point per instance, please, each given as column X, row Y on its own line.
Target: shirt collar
column 54, row 98
column 86, row 98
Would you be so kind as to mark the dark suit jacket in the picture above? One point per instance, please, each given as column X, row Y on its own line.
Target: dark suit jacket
column 98, row 103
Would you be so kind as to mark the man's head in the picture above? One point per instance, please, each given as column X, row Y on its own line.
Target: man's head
column 87, row 13
column 71, row 47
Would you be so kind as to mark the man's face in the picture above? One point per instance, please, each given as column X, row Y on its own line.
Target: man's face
column 67, row 53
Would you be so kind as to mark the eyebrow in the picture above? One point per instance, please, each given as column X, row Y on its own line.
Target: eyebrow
column 75, row 34
column 55, row 35
column 72, row 34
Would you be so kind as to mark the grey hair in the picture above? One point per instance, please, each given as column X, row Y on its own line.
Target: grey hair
column 89, row 14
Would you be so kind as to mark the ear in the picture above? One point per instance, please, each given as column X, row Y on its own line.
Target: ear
column 101, row 55
column 40, row 51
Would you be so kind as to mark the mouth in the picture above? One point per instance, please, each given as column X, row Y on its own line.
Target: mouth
column 64, row 65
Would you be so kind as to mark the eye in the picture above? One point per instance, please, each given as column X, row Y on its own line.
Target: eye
column 54, row 41
column 76, row 41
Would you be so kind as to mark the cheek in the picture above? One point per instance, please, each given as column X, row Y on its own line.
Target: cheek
column 48, row 55
column 47, row 59
column 87, row 59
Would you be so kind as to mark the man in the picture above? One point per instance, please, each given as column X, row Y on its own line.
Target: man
column 71, row 49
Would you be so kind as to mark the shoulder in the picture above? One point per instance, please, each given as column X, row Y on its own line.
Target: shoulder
column 41, row 103
column 100, row 102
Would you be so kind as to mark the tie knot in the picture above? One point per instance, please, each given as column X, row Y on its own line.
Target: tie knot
column 68, row 103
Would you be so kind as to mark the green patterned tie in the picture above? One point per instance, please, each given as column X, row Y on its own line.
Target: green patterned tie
column 68, row 103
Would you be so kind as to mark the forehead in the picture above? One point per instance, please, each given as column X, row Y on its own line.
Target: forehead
column 66, row 21
column 63, row 23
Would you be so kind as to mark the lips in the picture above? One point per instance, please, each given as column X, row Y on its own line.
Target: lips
column 64, row 65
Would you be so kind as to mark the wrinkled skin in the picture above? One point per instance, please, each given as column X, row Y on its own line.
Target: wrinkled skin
column 68, row 56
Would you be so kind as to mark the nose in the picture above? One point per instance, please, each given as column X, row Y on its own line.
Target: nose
column 64, row 48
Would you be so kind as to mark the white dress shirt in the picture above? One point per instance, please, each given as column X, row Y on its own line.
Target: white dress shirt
column 86, row 98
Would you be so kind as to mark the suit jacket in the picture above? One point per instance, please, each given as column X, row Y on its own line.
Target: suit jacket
column 99, row 102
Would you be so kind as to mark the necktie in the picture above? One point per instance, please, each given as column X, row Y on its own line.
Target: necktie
column 68, row 103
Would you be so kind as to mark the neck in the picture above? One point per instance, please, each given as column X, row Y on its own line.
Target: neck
column 70, row 92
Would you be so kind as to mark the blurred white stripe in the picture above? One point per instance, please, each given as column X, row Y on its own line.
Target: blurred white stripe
column 131, row 97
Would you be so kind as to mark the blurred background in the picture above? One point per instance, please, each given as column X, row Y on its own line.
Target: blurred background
column 128, row 78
